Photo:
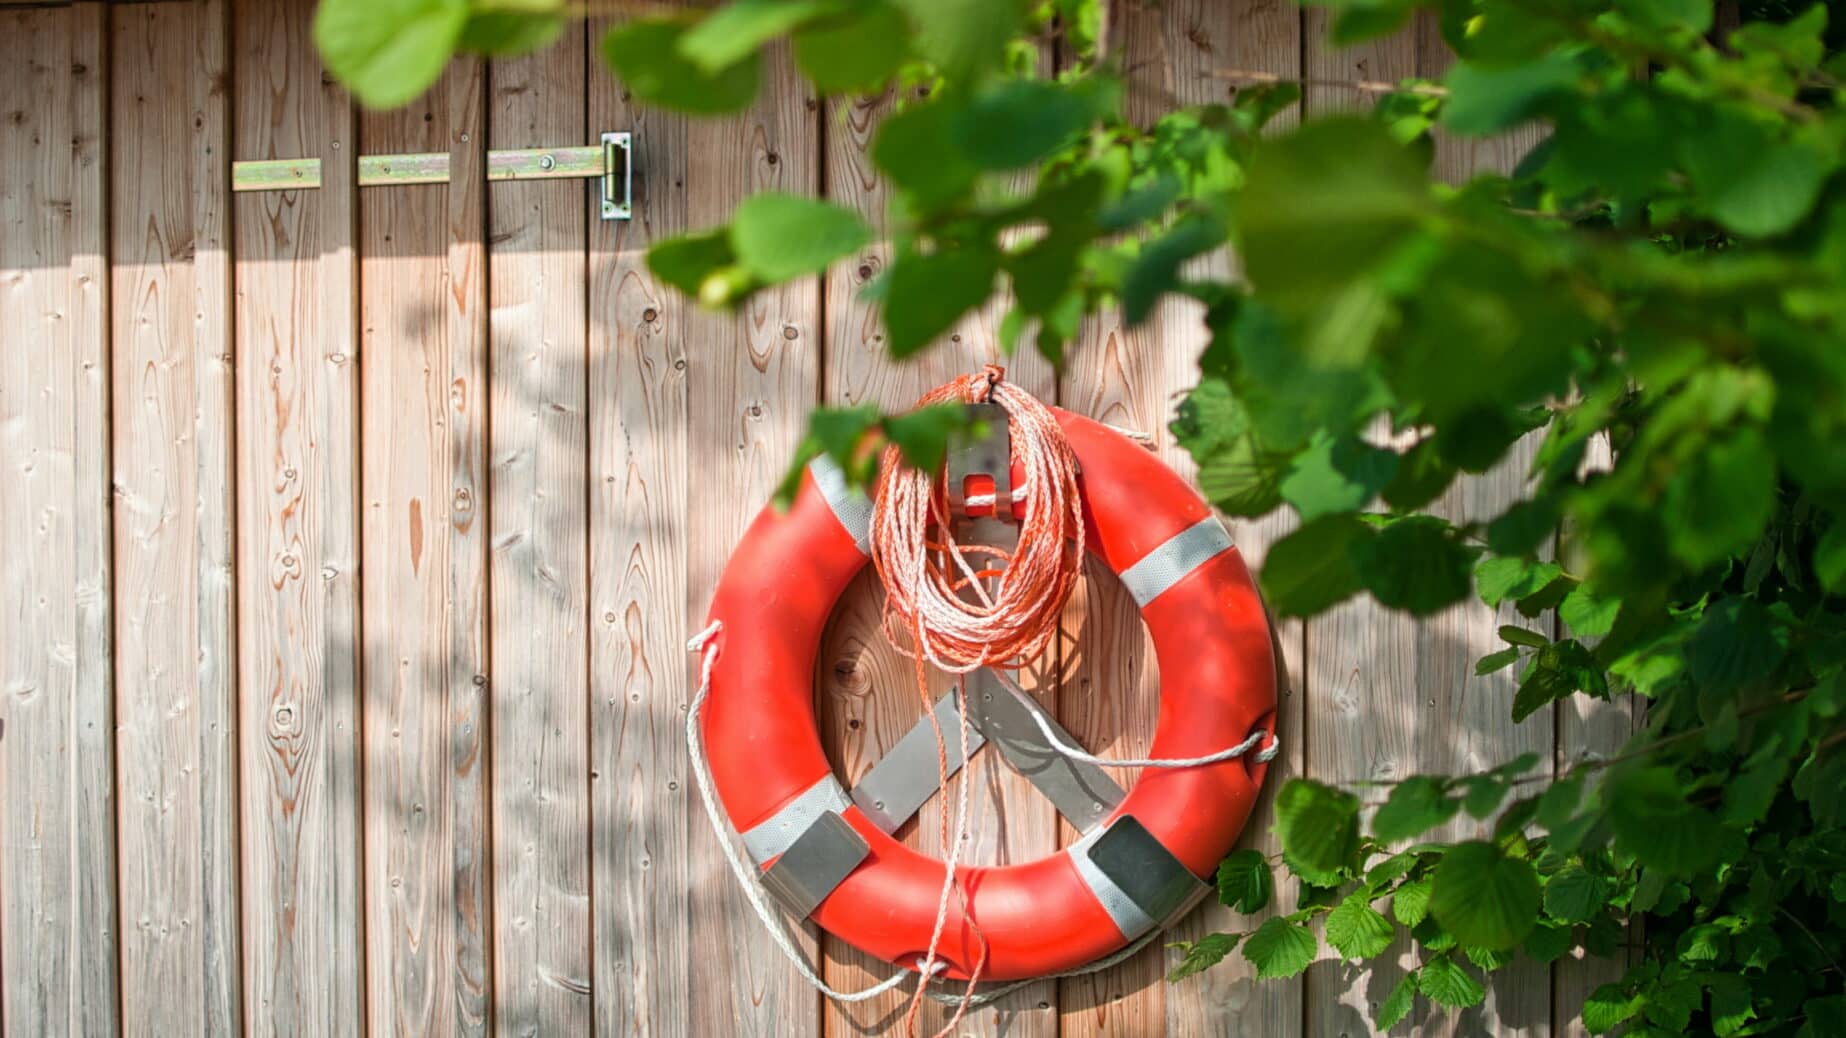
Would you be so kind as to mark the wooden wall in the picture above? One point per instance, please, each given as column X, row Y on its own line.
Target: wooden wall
column 352, row 539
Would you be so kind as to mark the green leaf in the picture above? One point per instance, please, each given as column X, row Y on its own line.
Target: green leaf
column 1652, row 820
column 1548, row 943
column 1608, row 1008
column 916, row 149
column 1410, row 902
column 1751, row 181
column 1483, row 897
column 1514, row 635
column 1501, row 578
column 964, row 39
column 1312, row 568
column 1236, row 471
column 1703, row 942
column 1446, row 983
column 645, row 53
column 1280, row 948
column 388, row 51
column 1022, row 121
column 1415, row 806
column 859, row 50
column 1398, row 1003
column 1495, row 662
column 1731, row 1004
column 1830, row 558
column 929, row 292
column 1738, row 645
column 1337, row 475
column 1415, row 564
column 923, row 435
column 1574, row 895
column 1202, row 954
column 1245, row 881
column 779, row 237
column 686, row 262
column 1319, row 825
column 738, row 29
column 1324, row 206
column 509, row 33
column 1421, row 476
column 1156, row 270
column 1587, row 613
column 1719, row 501
column 1356, row 930
column 1486, row 98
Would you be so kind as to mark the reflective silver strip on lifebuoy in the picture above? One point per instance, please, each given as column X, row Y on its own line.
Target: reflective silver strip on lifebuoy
column 1133, row 876
column 850, row 506
column 1168, row 564
column 770, row 837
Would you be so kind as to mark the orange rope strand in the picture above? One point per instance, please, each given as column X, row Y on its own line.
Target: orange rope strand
column 926, row 574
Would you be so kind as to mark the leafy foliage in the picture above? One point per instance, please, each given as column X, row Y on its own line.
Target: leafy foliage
column 1647, row 319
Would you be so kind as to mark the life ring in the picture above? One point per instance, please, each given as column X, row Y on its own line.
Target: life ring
column 1217, row 672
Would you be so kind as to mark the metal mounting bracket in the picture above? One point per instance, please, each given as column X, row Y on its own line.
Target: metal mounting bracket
column 609, row 161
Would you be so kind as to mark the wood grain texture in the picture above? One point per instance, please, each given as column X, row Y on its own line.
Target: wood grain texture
column 58, row 940
column 750, row 385
column 1389, row 695
column 867, row 689
column 175, row 611
column 298, row 539
column 540, row 568
column 638, row 626
column 1135, row 378
column 1591, row 729
column 423, row 378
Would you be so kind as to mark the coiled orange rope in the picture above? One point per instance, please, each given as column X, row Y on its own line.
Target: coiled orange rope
column 928, row 577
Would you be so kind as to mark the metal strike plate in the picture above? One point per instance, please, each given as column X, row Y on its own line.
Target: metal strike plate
column 1082, row 792
column 1158, row 883
column 618, row 176
column 898, row 784
column 819, row 859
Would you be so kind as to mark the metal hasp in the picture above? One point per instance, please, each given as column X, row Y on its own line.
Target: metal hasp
column 610, row 162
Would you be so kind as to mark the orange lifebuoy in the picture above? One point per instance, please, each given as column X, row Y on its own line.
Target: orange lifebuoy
column 1217, row 686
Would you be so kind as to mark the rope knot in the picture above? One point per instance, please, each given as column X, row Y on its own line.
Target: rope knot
column 983, row 382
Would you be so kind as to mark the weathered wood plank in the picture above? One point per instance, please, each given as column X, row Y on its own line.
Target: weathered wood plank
column 868, row 696
column 750, row 385
column 637, row 425
column 1135, row 378
column 1591, row 729
column 298, row 539
column 1391, row 696
column 540, row 567
column 58, row 941
column 424, row 420
column 173, row 424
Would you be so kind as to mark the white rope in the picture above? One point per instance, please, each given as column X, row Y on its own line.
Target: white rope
column 1264, row 755
column 746, row 877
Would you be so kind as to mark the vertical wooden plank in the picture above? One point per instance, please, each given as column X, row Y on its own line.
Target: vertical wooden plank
column 298, row 530
column 1391, row 696
column 538, row 522
column 638, row 687
column 749, row 388
column 1134, row 378
column 423, row 409
column 175, row 627
column 58, row 942
column 1590, row 729
column 868, row 697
